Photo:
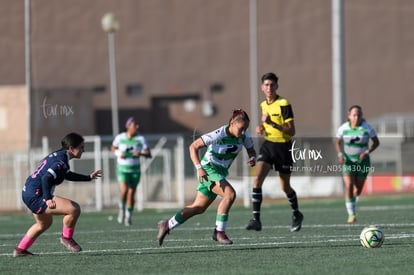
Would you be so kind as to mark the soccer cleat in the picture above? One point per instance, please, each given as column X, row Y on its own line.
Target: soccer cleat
column 163, row 230
column 297, row 219
column 351, row 218
column 70, row 244
column 121, row 216
column 18, row 252
column 254, row 225
column 221, row 237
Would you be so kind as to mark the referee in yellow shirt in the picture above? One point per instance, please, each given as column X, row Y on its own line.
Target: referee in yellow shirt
column 277, row 128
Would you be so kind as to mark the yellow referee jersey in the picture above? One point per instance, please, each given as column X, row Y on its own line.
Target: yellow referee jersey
column 280, row 112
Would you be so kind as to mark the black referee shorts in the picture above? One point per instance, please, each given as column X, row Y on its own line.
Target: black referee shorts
column 278, row 155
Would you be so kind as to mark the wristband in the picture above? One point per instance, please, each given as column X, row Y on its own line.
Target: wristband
column 366, row 152
column 198, row 166
column 118, row 153
column 340, row 154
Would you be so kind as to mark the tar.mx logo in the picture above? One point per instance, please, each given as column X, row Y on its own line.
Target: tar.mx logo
column 303, row 154
column 54, row 110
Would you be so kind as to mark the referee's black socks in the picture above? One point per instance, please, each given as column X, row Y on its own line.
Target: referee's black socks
column 293, row 201
column 257, row 198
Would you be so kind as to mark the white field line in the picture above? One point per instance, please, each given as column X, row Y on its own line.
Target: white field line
column 150, row 246
column 386, row 208
column 212, row 245
column 186, row 228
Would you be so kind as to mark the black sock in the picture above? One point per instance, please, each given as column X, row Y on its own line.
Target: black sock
column 293, row 201
column 257, row 198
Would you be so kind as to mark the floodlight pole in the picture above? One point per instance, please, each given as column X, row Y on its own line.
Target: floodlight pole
column 113, row 80
column 28, row 73
column 254, row 102
column 338, row 69
column 110, row 24
column 338, row 65
column 253, row 66
column 28, row 80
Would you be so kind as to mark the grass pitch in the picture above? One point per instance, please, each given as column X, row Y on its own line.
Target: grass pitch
column 326, row 244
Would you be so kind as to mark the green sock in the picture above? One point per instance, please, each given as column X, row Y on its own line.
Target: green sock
column 176, row 220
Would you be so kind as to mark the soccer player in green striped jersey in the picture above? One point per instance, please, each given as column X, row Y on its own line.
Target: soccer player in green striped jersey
column 352, row 145
column 223, row 146
column 129, row 146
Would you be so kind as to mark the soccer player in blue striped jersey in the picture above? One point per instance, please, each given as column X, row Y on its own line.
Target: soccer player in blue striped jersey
column 352, row 146
column 39, row 198
column 223, row 146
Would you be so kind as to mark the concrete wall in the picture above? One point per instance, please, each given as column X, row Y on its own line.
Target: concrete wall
column 13, row 118
column 177, row 49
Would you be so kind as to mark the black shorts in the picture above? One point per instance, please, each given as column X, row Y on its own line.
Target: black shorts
column 278, row 155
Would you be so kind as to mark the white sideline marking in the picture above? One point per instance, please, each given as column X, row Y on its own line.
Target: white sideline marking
column 186, row 228
column 390, row 207
column 262, row 241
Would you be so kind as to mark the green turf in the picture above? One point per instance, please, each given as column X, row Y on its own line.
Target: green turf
column 325, row 245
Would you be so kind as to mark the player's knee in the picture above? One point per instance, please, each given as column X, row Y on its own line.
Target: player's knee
column 230, row 195
column 131, row 192
column 358, row 191
column 75, row 210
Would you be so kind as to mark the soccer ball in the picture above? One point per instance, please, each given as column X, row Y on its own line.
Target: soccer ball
column 372, row 237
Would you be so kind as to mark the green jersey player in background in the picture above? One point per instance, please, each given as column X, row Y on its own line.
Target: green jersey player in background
column 223, row 146
column 352, row 146
column 129, row 146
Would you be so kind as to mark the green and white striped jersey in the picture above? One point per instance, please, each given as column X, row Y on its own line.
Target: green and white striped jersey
column 128, row 146
column 222, row 149
column 355, row 140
